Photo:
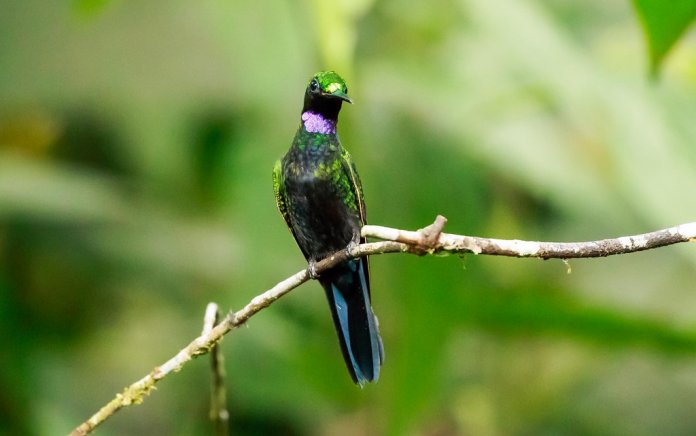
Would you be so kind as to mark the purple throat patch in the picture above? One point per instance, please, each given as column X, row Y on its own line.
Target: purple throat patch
column 315, row 123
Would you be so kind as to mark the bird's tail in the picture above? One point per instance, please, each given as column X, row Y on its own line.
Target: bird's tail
column 348, row 292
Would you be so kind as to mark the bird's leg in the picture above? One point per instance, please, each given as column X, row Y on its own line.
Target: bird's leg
column 353, row 243
column 312, row 269
column 349, row 247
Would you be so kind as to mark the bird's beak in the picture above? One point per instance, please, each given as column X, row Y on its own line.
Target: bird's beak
column 342, row 95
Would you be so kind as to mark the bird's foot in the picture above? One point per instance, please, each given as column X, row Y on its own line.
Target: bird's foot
column 351, row 245
column 312, row 269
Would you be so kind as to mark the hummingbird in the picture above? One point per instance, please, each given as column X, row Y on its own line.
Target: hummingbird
column 319, row 194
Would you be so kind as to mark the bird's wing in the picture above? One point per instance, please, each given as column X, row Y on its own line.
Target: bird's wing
column 356, row 189
column 281, row 199
column 355, row 185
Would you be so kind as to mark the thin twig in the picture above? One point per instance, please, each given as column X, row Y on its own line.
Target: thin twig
column 218, row 395
column 427, row 240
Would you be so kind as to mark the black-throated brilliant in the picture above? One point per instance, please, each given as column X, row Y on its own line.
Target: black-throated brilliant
column 319, row 194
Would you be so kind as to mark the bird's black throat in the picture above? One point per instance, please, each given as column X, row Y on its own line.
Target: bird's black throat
column 327, row 106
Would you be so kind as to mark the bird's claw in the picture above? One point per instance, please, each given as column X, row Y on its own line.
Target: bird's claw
column 351, row 245
column 312, row 270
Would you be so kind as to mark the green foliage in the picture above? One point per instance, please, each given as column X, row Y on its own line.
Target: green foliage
column 664, row 23
column 136, row 151
column 89, row 8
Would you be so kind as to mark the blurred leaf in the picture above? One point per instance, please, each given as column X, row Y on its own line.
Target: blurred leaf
column 58, row 193
column 88, row 8
column 543, row 311
column 663, row 23
column 335, row 24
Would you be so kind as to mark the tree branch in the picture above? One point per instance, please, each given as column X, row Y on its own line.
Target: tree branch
column 218, row 395
column 450, row 243
column 429, row 240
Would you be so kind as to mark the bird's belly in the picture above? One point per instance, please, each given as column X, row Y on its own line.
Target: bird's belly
column 321, row 221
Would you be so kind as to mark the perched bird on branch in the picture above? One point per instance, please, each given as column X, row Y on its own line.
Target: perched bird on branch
column 319, row 194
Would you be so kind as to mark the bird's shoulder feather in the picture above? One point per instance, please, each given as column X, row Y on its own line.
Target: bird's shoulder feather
column 279, row 191
column 354, row 183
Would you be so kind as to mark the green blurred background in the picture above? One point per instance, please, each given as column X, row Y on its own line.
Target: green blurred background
column 137, row 140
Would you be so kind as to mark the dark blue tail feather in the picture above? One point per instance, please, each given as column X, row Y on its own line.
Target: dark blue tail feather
column 347, row 289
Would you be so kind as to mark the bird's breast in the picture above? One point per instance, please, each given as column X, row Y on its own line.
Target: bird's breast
column 321, row 220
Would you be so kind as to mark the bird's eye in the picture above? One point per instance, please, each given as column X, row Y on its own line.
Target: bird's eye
column 314, row 86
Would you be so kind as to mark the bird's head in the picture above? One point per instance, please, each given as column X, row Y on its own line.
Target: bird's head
column 325, row 93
